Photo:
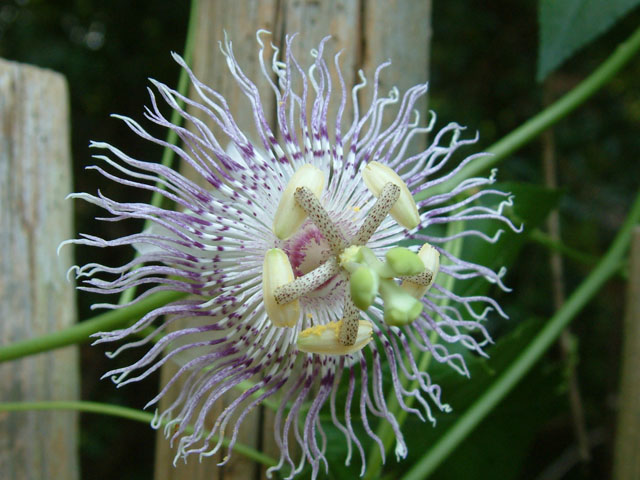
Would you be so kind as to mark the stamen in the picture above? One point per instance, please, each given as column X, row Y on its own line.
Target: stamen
column 387, row 198
column 405, row 210
column 319, row 216
column 350, row 322
column 323, row 339
column 307, row 283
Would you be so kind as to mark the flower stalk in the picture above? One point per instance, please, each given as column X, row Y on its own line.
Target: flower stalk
column 121, row 412
column 82, row 332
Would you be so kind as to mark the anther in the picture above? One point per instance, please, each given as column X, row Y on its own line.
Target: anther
column 319, row 216
column 277, row 271
column 405, row 210
column 323, row 339
column 289, row 215
column 307, row 283
column 387, row 198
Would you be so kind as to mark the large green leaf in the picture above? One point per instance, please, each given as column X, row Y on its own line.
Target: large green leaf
column 568, row 25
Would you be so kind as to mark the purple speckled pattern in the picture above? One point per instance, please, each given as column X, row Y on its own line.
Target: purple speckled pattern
column 212, row 246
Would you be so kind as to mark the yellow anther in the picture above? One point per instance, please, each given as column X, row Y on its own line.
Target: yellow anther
column 405, row 210
column 323, row 339
column 277, row 271
column 289, row 215
column 349, row 256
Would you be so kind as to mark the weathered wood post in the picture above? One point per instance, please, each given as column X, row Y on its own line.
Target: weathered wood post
column 35, row 298
column 626, row 459
column 369, row 32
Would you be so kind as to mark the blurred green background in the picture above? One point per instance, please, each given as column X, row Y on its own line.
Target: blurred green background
column 483, row 76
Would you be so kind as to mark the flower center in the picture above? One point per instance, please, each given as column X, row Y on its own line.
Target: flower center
column 316, row 251
column 307, row 249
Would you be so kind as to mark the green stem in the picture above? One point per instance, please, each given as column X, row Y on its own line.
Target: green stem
column 176, row 119
column 81, row 332
column 384, row 431
column 545, row 239
column 528, row 358
column 128, row 413
column 183, row 84
column 548, row 117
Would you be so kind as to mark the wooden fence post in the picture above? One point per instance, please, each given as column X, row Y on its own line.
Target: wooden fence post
column 626, row 464
column 35, row 298
column 369, row 32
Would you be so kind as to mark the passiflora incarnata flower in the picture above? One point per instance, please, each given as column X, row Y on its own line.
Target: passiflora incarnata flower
column 306, row 263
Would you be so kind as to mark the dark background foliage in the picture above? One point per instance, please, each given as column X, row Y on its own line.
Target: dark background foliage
column 483, row 72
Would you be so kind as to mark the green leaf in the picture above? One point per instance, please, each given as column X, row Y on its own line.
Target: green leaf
column 568, row 25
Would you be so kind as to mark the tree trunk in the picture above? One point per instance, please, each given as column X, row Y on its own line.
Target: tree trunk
column 35, row 298
column 626, row 458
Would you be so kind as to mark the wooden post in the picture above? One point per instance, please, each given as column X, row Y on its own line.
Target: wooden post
column 35, row 298
column 626, row 459
column 369, row 32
